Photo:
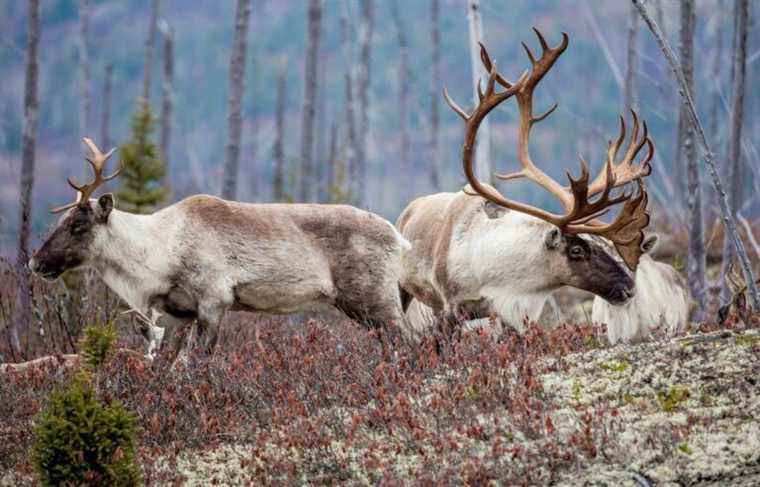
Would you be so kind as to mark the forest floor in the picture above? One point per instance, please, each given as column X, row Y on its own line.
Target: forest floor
column 546, row 408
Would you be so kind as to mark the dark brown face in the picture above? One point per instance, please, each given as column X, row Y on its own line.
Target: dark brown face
column 68, row 247
column 594, row 269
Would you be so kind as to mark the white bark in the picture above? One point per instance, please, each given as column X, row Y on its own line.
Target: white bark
column 307, row 184
column 483, row 145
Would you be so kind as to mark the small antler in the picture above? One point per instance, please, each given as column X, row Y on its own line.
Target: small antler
column 581, row 214
column 98, row 161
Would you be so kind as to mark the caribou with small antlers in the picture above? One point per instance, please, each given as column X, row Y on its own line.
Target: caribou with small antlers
column 476, row 252
column 203, row 255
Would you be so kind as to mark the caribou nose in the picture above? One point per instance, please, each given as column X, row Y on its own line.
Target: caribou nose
column 621, row 293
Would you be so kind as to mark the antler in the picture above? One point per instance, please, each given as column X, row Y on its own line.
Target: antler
column 98, row 161
column 581, row 214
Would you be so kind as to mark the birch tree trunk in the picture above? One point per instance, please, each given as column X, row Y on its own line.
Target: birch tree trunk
column 166, row 102
column 352, row 144
column 278, row 186
column 741, row 14
column 728, row 216
column 150, row 45
column 483, row 144
column 629, row 89
column 23, row 310
column 85, row 102
column 306, row 178
column 105, row 121
column 435, row 97
column 364, row 80
column 403, row 98
column 696, row 261
column 235, row 97
column 321, row 158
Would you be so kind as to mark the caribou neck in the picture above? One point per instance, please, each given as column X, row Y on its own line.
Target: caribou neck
column 130, row 252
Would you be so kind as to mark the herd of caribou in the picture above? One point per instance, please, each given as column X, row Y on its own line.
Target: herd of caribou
column 465, row 255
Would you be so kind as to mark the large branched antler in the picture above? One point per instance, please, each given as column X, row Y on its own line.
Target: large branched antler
column 98, row 161
column 581, row 214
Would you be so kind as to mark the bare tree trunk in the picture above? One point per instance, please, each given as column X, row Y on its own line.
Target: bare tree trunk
column 483, row 143
column 364, row 80
column 253, row 180
column 166, row 102
column 150, row 45
column 728, row 216
column 741, row 12
column 320, row 159
column 696, row 268
column 715, row 101
column 306, row 178
column 629, row 89
column 278, row 189
column 234, row 101
column 403, row 98
column 352, row 143
column 85, row 103
column 332, row 161
column 105, row 121
column 596, row 31
column 23, row 316
column 435, row 38
column 660, row 16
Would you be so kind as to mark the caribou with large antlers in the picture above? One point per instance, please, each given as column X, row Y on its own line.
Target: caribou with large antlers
column 199, row 257
column 477, row 252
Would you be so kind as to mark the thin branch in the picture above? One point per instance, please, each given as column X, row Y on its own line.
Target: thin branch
column 709, row 158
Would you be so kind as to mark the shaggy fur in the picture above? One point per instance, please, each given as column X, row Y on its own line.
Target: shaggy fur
column 661, row 301
column 472, row 258
column 199, row 257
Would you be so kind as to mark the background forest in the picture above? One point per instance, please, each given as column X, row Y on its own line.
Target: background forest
column 588, row 83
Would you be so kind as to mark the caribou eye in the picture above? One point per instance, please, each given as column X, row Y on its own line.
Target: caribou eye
column 576, row 252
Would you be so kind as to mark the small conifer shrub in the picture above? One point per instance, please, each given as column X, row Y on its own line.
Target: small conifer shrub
column 81, row 440
column 141, row 179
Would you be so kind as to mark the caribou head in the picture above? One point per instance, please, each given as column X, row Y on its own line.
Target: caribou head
column 69, row 246
column 569, row 252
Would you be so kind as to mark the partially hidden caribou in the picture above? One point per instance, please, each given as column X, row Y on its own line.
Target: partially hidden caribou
column 661, row 302
column 203, row 255
column 476, row 253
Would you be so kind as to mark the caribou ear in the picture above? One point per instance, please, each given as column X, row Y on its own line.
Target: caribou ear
column 553, row 238
column 105, row 205
column 650, row 243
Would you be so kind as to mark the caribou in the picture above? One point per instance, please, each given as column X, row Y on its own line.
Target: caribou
column 661, row 302
column 476, row 253
column 199, row 257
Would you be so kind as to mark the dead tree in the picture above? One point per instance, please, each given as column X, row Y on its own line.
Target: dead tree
column 734, row 173
column 306, row 178
column 167, row 90
column 235, row 99
column 435, row 87
column 150, row 44
column 84, row 69
column 364, row 80
column 403, row 95
column 696, row 261
column 23, row 310
column 726, row 213
column 629, row 90
column 332, row 161
column 352, row 144
column 278, row 185
column 105, row 121
column 321, row 158
column 253, row 134
column 483, row 143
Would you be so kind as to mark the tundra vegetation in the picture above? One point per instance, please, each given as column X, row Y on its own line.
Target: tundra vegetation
column 643, row 372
